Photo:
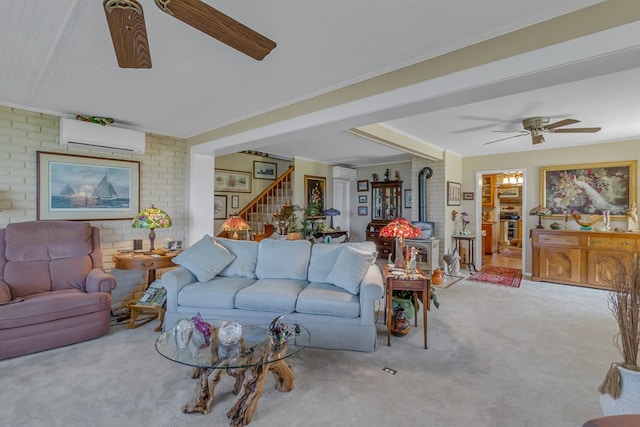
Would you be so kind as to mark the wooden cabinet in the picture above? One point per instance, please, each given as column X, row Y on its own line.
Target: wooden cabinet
column 580, row 257
column 488, row 189
column 385, row 245
column 386, row 205
column 487, row 238
column 386, row 200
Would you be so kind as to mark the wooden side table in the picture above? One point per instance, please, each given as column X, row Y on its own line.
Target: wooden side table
column 469, row 259
column 421, row 287
column 134, row 261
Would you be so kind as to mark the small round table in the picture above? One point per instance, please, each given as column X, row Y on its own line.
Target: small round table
column 470, row 240
column 136, row 261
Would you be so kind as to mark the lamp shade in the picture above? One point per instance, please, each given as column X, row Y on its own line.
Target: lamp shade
column 331, row 212
column 152, row 218
column 400, row 227
column 235, row 224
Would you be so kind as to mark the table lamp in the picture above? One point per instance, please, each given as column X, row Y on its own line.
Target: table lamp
column 235, row 224
column 540, row 211
column 401, row 229
column 331, row 213
column 152, row 218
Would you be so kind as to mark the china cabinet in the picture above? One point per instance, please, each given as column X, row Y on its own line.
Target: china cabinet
column 386, row 205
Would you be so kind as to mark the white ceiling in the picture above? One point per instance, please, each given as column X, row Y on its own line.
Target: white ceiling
column 57, row 57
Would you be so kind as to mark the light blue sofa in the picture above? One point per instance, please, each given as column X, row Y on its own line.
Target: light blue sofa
column 331, row 289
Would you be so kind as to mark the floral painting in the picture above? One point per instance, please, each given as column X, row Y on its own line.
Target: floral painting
column 315, row 191
column 589, row 188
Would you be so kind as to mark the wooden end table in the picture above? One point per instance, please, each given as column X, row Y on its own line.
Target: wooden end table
column 419, row 284
column 139, row 261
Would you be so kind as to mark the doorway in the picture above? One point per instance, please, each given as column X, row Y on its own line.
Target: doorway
column 500, row 212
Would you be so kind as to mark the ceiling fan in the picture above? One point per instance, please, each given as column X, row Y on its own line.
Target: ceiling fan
column 129, row 34
column 536, row 126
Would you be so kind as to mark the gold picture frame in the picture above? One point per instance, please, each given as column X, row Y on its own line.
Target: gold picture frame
column 589, row 188
column 315, row 190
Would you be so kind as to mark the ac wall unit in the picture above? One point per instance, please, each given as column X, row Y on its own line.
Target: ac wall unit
column 340, row 172
column 93, row 136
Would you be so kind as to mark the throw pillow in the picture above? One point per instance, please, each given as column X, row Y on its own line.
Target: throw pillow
column 205, row 258
column 349, row 270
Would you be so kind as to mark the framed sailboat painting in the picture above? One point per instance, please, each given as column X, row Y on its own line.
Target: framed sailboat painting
column 86, row 188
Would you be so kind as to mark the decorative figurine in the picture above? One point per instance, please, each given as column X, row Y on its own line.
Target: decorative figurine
column 397, row 176
column 386, row 174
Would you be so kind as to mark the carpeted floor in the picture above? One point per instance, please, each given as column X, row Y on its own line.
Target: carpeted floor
column 498, row 275
column 497, row 357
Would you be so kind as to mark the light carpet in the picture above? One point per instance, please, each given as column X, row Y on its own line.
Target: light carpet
column 497, row 357
column 498, row 275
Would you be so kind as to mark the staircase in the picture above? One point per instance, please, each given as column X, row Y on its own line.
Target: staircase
column 259, row 213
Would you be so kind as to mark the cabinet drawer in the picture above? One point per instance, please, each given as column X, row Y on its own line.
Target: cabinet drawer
column 621, row 243
column 549, row 239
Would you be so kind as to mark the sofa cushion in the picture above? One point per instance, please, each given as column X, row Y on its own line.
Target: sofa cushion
column 246, row 253
column 350, row 267
column 205, row 258
column 276, row 295
column 328, row 300
column 324, row 256
column 220, row 292
column 283, row 259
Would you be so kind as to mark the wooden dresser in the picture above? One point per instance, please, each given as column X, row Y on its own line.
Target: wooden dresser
column 579, row 257
column 385, row 245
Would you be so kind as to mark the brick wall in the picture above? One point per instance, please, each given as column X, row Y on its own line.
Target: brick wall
column 163, row 182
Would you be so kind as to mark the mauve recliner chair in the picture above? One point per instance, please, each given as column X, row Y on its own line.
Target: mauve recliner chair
column 53, row 290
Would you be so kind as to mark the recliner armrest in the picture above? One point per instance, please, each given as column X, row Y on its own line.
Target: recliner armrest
column 100, row 281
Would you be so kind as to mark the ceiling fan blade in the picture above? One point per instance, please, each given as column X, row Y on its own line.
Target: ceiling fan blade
column 561, row 123
column 509, row 137
column 219, row 26
column 577, row 130
column 128, row 33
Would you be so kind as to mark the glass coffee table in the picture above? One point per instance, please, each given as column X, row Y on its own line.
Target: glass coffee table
column 249, row 363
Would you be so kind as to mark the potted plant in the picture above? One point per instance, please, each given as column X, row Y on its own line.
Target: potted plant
column 620, row 391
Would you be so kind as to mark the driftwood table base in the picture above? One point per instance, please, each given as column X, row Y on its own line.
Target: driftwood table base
column 249, row 383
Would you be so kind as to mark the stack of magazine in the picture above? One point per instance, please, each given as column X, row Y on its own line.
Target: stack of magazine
column 155, row 295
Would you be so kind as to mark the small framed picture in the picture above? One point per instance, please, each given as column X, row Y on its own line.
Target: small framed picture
column 363, row 210
column 265, row 170
column 362, row 198
column 219, row 207
column 467, row 195
column 454, row 193
column 174, row 245
column 407, row 198
column 235, row 202
column 363, row 185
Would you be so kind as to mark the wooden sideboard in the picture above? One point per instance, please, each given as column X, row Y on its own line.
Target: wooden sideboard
column 580, row 257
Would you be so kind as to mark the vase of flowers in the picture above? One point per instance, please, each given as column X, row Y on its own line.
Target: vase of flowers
column 464, row 220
